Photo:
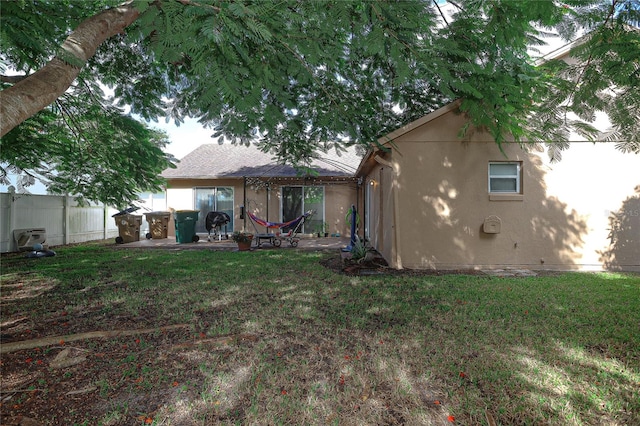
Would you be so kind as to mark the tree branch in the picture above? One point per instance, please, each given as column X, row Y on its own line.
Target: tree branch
column 456, row 5
column 610, row 15
column 35, row 92
column 309, row 70
column 435, row 2
column 12, row 79
column 69, row 119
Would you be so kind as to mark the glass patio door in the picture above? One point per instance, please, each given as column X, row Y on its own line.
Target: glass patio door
column 296, row 200
column 219, row 199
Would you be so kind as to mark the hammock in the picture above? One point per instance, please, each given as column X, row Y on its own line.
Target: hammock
column 274, row 239
column 267, row 224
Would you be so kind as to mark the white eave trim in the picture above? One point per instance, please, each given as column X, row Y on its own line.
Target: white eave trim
column 406, row 129
column 561, row 51
column 419, row 122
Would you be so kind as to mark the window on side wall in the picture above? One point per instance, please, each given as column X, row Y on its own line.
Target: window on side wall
column 505, row 180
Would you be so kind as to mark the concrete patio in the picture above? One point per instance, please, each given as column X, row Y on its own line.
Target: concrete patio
column 305, row 243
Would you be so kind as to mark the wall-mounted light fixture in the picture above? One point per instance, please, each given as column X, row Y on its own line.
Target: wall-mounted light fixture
column 372, row 182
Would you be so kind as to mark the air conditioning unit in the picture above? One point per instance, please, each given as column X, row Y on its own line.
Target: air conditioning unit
column 26, row 238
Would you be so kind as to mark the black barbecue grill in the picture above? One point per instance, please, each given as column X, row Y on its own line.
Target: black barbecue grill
column 215, row 221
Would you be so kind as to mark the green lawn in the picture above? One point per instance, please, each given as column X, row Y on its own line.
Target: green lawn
column 273, row 337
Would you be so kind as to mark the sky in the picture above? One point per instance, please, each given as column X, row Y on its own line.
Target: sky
column 185, row 138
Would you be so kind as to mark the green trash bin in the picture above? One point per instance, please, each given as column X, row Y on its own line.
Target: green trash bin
column 185, row 221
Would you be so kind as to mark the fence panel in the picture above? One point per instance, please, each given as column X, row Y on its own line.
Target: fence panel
column 64, row 221
column 5, row 222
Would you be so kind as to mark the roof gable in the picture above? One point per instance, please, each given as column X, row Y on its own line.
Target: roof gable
column 420, row 122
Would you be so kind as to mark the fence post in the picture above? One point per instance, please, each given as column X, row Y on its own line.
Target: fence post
column 65, row 218
column 105, row 214
column 12, row 218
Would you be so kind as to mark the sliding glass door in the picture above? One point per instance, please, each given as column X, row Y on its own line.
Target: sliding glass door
column 296, row 200
column 217, row 199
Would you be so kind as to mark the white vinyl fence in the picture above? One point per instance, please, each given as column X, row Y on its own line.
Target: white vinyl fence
column 65, row 222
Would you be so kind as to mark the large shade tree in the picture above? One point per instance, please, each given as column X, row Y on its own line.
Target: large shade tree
column 296, row 76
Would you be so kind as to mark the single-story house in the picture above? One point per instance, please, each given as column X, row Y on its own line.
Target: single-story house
column 428, row 199
column 240, row 179
column 432, row 200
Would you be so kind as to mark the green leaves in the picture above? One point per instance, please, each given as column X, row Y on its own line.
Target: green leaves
column 297, row 71
column 601, row 81
column 86, row 149
column 32, row 32
column 298, row 75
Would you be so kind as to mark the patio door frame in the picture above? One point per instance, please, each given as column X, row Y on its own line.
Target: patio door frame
column 200, row 225
column 319, row 216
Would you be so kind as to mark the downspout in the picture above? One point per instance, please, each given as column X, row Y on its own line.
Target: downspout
column 358, row 188
column 396, row 208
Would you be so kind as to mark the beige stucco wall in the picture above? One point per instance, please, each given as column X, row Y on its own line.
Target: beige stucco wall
column 339, row 199
column 264, row 204
column 442, row 201
column 603, row 185
column 180, row 195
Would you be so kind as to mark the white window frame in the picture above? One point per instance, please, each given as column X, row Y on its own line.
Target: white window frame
column 214, row 189
column 516, row 176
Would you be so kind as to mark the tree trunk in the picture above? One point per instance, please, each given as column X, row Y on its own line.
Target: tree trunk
column 35, row 92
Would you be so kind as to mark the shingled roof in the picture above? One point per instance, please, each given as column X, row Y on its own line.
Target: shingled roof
column 215, row 161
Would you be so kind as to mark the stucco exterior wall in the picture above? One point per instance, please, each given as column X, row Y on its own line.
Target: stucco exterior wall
column 338, row 199
column 603, row 185
column 449, row 202
column 338, row 202
column 181, row 196
column 381, row 213
column 558, row 222
column 374, row 211
column 265, row 204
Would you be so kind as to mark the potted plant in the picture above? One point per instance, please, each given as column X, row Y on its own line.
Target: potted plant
column 243, row 239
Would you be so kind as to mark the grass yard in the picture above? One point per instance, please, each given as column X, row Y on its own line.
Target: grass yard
column 106, row 336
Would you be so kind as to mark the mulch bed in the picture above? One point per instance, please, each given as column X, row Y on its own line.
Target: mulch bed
column 378, row 266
